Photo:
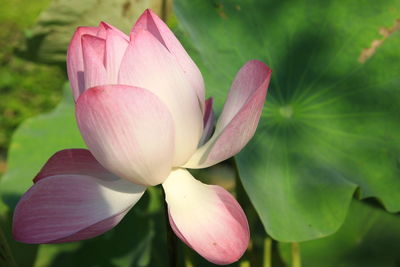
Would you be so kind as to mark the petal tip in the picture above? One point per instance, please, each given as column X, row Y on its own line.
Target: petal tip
column 259, row 63
column 207, row 218
column 149, row 13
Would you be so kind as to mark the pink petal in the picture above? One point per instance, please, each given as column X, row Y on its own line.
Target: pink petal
column 115, row 49
column 104, row 27
column 73, row 161
column 94, row 61
column 151, row 22
column 208, row 121
column 148, row 64
column 129, row 131
column 71, row 207
column 251, row 81
column 75, row 66
column 206, row 217
column 239, row 119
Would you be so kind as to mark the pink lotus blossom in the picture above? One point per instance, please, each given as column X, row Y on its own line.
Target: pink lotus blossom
column 141, row 110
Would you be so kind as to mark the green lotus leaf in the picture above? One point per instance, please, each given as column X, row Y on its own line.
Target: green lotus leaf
column 331, row 123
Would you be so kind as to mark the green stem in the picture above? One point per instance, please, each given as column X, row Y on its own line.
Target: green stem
column 244, row 263
column 296, row 259
column 6, row 257
column 267, row 252
column 172, row 241
column 188, row 260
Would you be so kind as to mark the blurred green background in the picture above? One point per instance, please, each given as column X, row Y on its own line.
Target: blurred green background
column 26, row 88
column 319, row 182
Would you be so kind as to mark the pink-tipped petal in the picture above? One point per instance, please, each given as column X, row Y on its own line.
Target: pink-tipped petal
column 208, row 121
column 94, row 61
column 129, row 131
column 206, row 217
column 75, row 66
column 104, row 27
column 71, row 207
column 148, row 64
column 115, row 49
column 239, row 119
column 151, row 22
column 73, row 161
column 251, row 81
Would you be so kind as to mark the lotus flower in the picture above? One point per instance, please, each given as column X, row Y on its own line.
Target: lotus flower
column 141, row 110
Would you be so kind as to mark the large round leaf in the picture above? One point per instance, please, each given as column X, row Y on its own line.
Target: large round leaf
column 332, row 118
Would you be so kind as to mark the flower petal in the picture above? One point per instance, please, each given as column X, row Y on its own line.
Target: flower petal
column 104, row 27
column 151, row 22
column 129, row 131
column 251, row 82
column 239, row 119
column 115, row 49
column 94, row 61
column 208, row 121
column 71, row 207
column 73, row 161
column 75, row 66
column 206, row 217
column 148, row 64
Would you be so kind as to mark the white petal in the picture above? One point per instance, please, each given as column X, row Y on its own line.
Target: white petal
column 148, row 64
column 129, row 131
column 206, row 217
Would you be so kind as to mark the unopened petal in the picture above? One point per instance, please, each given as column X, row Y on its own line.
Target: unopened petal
column 75, row 65
column 148, row 64
column 151, row 22
column 70, row 207
column 104, row 27
column 115, row 47
column 239, row 119
column 207, row 218
column 94, row 61
column 129, row 131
